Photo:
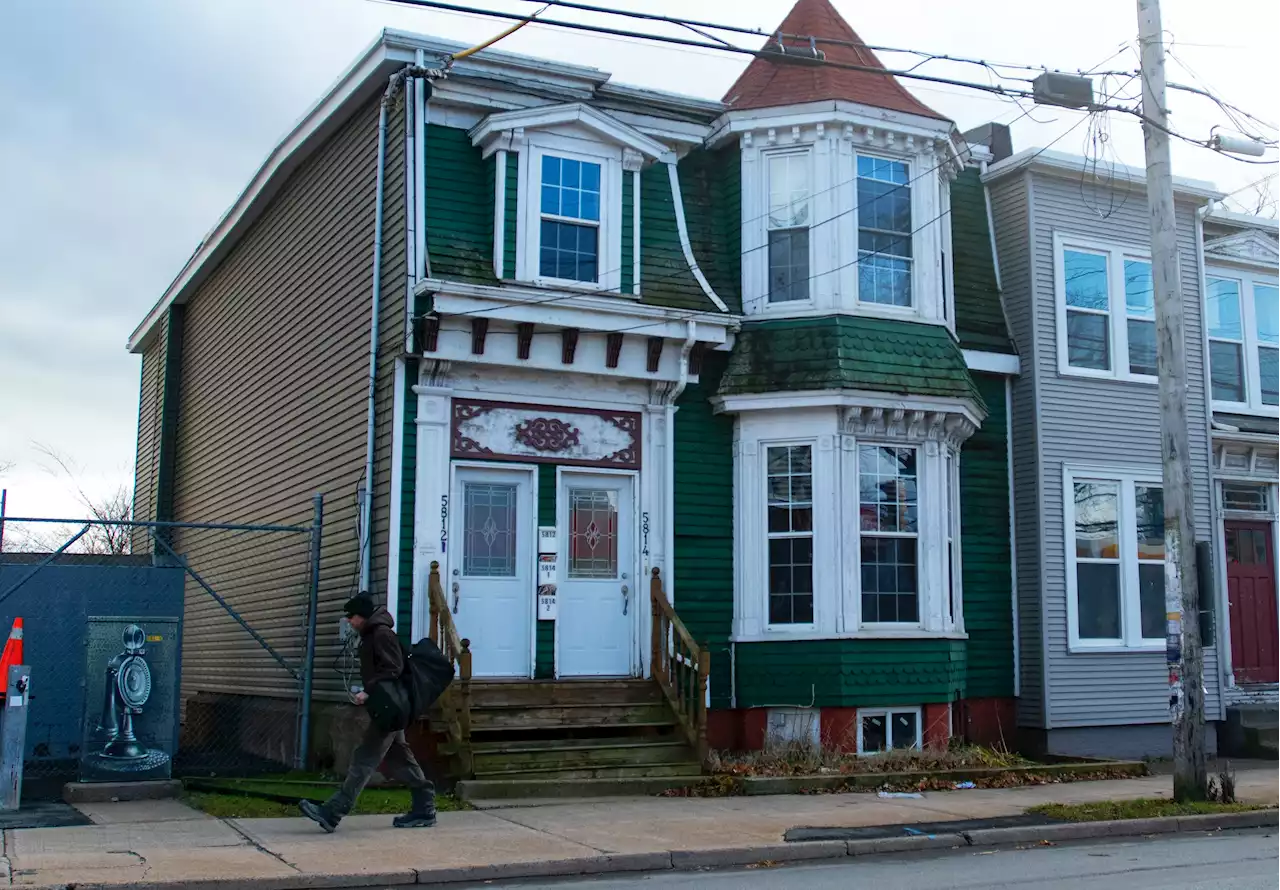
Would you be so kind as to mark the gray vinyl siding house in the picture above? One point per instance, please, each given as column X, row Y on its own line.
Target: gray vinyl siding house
column 1075, row 696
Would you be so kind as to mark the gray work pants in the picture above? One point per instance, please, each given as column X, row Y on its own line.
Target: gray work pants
column 374, row 748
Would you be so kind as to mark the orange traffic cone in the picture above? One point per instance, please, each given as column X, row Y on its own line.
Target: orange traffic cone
column 12, row 654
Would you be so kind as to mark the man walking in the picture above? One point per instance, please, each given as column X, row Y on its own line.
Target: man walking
column 381, row 660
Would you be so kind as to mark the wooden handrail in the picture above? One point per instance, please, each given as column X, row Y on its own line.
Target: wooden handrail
column 680, row 666
column 455, row 704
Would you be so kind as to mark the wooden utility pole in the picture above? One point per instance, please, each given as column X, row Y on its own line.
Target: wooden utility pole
column 1183, row 647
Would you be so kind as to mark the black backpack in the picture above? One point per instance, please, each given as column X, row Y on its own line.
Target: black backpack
column 393, row 705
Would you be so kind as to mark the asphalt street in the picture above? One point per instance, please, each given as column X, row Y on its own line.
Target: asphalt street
column 1234, row 860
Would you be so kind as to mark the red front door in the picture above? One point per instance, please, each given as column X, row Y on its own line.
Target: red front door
column 1251, row 598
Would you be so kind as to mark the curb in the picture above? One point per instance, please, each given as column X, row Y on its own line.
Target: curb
column 690, row 860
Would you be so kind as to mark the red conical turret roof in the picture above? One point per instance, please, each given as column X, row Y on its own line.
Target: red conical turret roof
column 768, row 83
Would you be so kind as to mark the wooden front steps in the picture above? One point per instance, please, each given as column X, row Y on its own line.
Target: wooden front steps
column 574, row 738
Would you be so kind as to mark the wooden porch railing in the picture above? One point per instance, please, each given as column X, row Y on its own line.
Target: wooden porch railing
column 680, row 666
column 455, row 704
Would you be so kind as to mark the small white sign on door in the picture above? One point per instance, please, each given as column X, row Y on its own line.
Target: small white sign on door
column 547, row 602
column 547, row 569
column 546, row 539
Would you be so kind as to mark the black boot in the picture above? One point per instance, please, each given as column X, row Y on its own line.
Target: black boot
column 422, row 812
column 321, row 814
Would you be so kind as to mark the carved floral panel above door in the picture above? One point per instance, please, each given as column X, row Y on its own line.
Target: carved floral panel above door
column 547, row 434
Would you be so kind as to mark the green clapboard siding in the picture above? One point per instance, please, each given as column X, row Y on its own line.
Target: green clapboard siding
column 703, row 588
column 850, row 352
column 628, row 234
column 509, row 205
column 408, row 477
column 850, row 673
column 711, row 184
column 544, row 666
column 980, row 320
column 984, row 548
column 459, row 199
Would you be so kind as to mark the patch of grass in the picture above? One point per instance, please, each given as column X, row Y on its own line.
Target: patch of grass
column 229, row 804
column 1141, row 808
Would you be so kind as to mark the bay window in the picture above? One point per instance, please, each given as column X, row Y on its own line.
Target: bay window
column 847, row 523
column 789, row 208
column 884, row 232
column 888, row 511
column 1115, row 560
column 1100, row 334
column 790, row 533
column 1242, row 317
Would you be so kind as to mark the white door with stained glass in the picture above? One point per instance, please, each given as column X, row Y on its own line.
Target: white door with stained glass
column 491, row 583
column 599, row 595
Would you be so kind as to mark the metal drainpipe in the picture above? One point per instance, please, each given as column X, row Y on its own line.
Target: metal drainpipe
column 394, row 85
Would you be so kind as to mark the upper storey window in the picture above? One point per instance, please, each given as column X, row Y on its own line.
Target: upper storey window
column 570, row 219
column 1242, row 313
column 789, row 206
column 884, row 232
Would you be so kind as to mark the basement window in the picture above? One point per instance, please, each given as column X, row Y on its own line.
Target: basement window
column 881, row 730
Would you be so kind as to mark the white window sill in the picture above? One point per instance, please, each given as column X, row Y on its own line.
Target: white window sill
column 1088, row 374
column 1114, row 648
column 813, row 636
column 593, row 287
column 1251, row 410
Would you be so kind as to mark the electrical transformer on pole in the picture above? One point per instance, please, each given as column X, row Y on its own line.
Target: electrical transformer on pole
column 1183, row 646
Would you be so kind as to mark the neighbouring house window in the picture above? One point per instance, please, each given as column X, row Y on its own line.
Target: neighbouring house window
column 1246, row 497
column 1140, row 317
column 1226, row 340
column 1266, row 301
column 881, row 730
column 790, row 533
column 569, row 246
column 1116, row 561
column 888, row 505
column 1088, row 310
column 884, row 232
column 789, row 204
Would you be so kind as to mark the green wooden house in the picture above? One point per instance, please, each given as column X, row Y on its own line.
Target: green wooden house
column 689, row 416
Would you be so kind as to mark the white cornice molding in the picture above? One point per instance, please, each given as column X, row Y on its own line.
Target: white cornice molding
column 851, row 400
column 1249, row 247
column 950, row 428
column 490, row 132
column 1062, row 164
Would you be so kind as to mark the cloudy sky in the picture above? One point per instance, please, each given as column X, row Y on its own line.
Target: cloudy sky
column 128, row 126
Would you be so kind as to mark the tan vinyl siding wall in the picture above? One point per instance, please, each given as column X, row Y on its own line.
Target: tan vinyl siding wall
column 273, row 410
column 147, row 460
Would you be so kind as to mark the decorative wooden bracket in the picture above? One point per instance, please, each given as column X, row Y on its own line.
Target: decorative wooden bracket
column 568, row 345
column 655, row 353
column 613, row 348
column 479, row 329
column 524, row 339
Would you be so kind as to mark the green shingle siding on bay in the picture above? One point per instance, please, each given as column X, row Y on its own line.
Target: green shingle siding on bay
column 848, row 352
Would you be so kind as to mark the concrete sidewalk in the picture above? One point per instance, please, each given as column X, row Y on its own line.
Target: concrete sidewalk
column 164, row 842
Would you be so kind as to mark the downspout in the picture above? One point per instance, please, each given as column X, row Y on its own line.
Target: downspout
column 682, row 227
column 669, row 508
column 394, row 85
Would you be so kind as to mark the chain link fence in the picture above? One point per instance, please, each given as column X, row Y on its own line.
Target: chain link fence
column 233, row 699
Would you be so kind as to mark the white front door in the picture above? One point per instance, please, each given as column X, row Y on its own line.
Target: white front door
column 491, row 584
column 598, row 592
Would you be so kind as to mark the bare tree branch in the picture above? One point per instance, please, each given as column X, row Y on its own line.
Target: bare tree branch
column 114, row 507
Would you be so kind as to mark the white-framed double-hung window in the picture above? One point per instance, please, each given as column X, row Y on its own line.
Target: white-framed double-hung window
column 569, row 219
column 790, row 207
column 1115, row 559
column 884, row 232
column 889, row 534
column 1106, row 311
column 1242, row 317
column 789, row 525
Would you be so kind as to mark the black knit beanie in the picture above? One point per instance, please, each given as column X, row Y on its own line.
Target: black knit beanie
column 361, row 604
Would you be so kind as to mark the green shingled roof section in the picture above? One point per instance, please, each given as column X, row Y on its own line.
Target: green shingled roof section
column 848, row 352
column 980, row 322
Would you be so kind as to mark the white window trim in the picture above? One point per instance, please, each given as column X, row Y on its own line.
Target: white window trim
column 887, row 714
column 837, row 548
column 1131, row 639
column 833, row 231
column 1249, row 320
column 1117, row 313
column 812, row 535
column 609, row 243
